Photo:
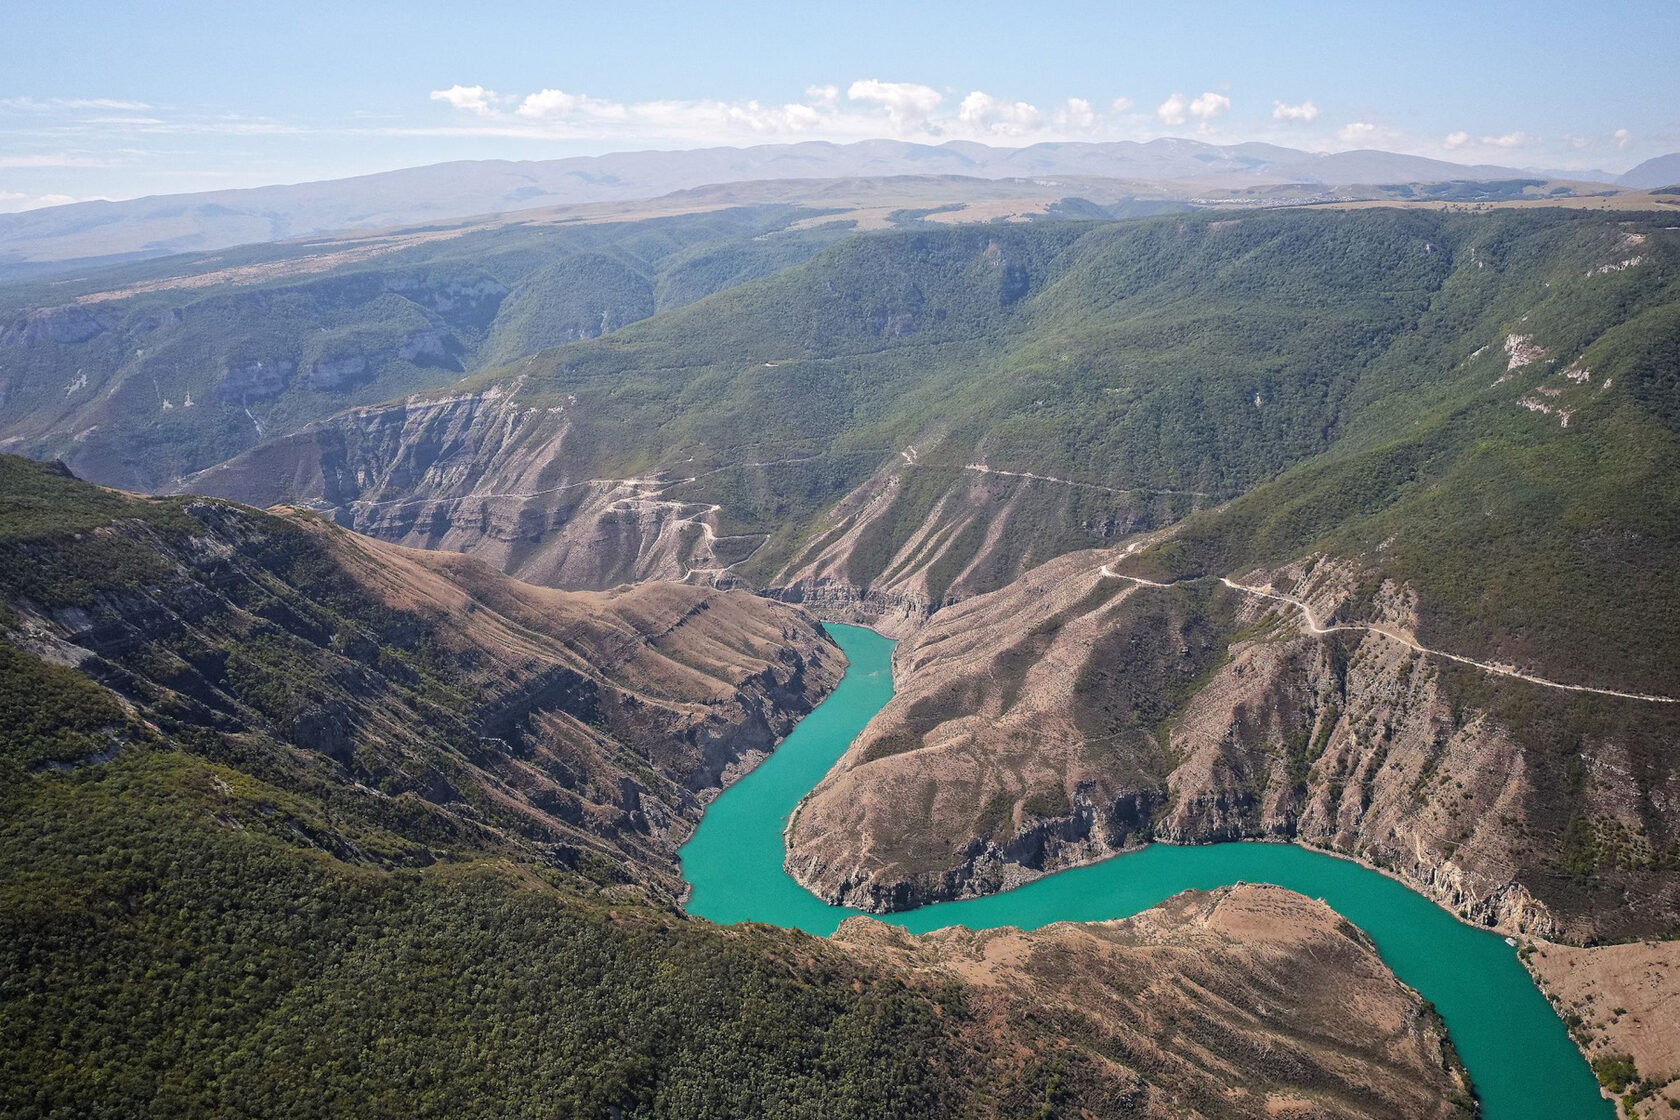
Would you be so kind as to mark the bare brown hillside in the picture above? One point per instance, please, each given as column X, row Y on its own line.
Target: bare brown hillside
column 425, row 694
column 1194, row 1007
column 1621, row 1001
column 1073, row 715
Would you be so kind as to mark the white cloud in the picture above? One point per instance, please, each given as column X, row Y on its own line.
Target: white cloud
column 907, row 104
column 580, row 112
column 11, row 202
column 1456, row 140
column 47, row 103
column 1358, row 132
column 771, row 119
column 543, row 103
column 981, row 115
column 1306, row 111
column 470, row 99
column 1177, row 109
column 865, row 108
column 1209, row 105
column 1621, row 136
column 1076, row 114
column 559, row 103
column 1509, row 140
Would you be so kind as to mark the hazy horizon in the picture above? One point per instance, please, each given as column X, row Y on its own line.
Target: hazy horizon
column 122, row 104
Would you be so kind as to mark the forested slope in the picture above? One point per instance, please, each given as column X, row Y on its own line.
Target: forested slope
column 139, row 374
column 293, row 824
column 839, row 413
column 1504, row 487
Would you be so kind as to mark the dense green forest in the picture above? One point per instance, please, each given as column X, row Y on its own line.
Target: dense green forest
column 168, row 949
column 205, row 912
column 141, row 373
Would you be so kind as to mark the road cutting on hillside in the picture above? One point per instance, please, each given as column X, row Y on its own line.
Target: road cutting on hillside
column 1314, row 627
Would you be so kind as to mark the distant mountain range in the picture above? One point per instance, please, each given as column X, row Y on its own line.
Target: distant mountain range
column 161, row 225
column 1661, row 171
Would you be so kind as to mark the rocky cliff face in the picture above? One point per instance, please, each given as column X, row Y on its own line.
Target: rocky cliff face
column 1075, row 715
column 485, row 475
column 1066, row 715
column 1062, row 719
column 893, row 613
column 936, row 525
column 519, row 485
column 246, row 383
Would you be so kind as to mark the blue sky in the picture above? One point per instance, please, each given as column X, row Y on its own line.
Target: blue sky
column 121, row 99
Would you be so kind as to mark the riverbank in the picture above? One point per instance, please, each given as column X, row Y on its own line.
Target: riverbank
column 1507, row 1033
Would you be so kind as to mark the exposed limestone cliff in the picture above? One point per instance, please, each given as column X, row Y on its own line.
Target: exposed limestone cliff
column 483, row 475
column 1075, row 715
column 895, row 614
column 519, row 486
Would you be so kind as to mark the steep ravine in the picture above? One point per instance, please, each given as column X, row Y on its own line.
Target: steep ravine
column 1048, row 717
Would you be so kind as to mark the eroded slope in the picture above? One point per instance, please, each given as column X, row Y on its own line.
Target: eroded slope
column 1077, row 714
column 584, row 728
column 1520, row 521
column 1195, row 1006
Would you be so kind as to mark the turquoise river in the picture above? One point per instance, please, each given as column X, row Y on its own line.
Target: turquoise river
column 1519, row 1056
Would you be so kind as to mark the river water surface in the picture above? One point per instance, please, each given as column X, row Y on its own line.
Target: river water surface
column 1520, row 1057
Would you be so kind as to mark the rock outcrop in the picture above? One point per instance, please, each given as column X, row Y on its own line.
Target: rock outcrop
column 485, row 475
column 1074, row 715
column 252, row 381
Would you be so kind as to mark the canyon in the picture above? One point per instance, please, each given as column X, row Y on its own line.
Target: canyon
column 1190, row 529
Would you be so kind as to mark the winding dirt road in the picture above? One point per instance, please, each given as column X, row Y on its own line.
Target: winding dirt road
column 1314, row 627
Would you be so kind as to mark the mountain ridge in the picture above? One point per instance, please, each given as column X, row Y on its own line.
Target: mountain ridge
column 159, row 225
column 1457, row 426
column 1658, row 171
